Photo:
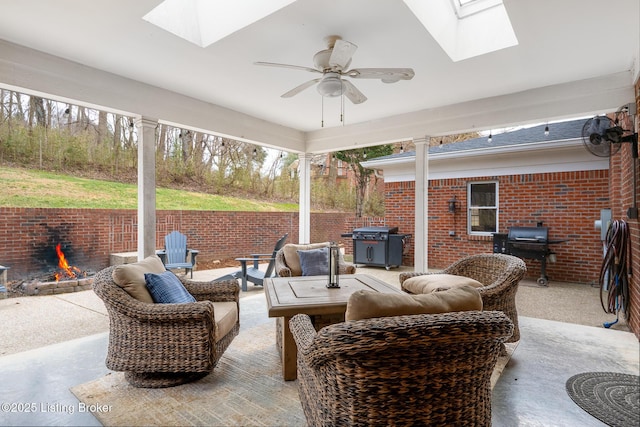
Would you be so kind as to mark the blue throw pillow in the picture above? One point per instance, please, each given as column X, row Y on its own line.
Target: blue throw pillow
column 166, row 288
column 314, row 262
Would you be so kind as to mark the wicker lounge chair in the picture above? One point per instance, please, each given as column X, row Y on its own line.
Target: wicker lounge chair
column 293, row 268
column 163, row 345
column 426, row 369
column 500, row 275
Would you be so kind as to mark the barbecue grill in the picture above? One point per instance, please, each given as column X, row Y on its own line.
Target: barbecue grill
column 527, row 242
column 378, row 246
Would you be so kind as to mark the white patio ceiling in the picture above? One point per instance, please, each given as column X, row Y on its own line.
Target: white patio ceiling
column 573, row 58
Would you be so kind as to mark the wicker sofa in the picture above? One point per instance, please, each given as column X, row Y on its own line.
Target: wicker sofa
column 498, row 273
column 425, row 369
column 163, row 345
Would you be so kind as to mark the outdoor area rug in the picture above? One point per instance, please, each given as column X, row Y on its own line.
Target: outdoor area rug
column 611, row 397
column 245, row 389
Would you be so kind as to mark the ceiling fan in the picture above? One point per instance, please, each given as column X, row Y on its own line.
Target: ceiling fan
column 333, row 64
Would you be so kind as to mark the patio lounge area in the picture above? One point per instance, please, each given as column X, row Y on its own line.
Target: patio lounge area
column 49, row 356
column 555, row 61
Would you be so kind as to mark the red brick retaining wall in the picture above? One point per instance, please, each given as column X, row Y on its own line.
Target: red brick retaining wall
column 28, row 236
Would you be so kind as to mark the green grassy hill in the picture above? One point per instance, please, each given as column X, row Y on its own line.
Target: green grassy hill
column 28, row 188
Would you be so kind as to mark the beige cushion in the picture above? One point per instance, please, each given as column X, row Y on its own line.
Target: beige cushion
column 290, row 252
column 130, row 277
column 225, row 314
column 428, row 283
column 367, row 304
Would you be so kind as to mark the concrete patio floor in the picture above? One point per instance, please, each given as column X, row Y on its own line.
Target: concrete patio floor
column 51, row 343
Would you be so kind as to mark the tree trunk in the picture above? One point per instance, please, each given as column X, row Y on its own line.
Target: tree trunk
column 68, row 113
column 19, row 106
column 103, row 131
column 117, row 141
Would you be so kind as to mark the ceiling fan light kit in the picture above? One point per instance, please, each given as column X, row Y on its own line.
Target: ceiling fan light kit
column 333, row 64
column 331, row 85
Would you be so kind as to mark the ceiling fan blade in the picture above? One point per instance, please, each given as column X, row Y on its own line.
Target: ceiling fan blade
column 342, row 53
column 387, row 75
column 295, row 67
column 296, row 90
column 353, row 93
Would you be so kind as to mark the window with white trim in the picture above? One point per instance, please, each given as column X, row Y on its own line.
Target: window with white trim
column 482, row 202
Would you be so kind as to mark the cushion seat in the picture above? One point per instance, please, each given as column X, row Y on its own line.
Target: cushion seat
column 226, row 316
column 499, row 275
column 430, row 282
column 367, row 304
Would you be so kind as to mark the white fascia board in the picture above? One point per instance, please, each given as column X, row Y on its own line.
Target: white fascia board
column 581, row 98
column 520, row 148
column 540, row 157
column 485, row 151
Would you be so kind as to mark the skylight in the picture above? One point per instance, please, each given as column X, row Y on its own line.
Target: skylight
column 204, row 22
column 464, row 8
column 466, row 28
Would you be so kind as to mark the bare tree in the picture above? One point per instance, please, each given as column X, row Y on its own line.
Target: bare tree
column 362, row 175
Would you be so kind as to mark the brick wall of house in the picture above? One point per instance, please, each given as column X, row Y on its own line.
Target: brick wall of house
column 622, row 183
column 88, row 236
column 635, row 237
column 568, row 203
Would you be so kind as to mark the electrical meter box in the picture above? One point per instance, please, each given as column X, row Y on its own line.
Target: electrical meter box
column 603, row 223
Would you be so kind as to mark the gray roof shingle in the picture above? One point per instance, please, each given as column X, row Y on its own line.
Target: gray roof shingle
column 557, row 132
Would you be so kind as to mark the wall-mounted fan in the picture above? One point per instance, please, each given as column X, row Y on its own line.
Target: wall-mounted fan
column 333, row 64
column 598, row 135
column 603, row 136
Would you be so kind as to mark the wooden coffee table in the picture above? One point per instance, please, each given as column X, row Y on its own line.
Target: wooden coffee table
column 288, row 296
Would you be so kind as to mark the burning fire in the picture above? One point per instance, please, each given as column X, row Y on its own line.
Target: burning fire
column 67, row 271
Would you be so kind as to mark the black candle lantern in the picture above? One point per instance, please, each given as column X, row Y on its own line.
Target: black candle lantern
column 453, row 204
column 334, row 268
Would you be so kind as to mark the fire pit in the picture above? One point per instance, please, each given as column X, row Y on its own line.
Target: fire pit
column 67, row 279
column 37, row 287
column 66, row 271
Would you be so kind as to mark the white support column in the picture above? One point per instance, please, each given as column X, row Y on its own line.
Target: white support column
column 421, row 234
column 146, row 128
column 304, row 174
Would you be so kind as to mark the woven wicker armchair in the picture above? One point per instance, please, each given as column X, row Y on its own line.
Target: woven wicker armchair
column 500, row 275
column 427, row 369
column 285, row 270
column 163, row 345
